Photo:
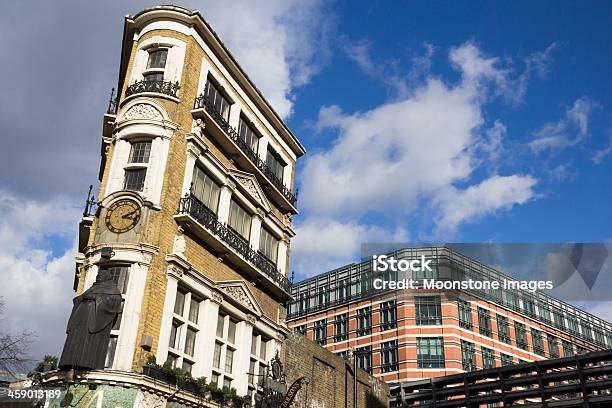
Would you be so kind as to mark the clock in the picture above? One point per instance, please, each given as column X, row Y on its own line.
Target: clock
column 122, row 216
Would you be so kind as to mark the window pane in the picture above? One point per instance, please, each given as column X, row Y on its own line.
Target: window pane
column 231, row 332
column 154, row 77
column 175, row 334
column 140, row 152
column 254, row 345
column 268, row 245
column 229, row 360
column 216, row 99
column 135, row 179
column 217, row 355
column 157, row 59
column 179, row 303
column 246, row 133
column 227, row 383
column 205, row 189
column 110, row 354
column 275, row 164
column 190, row 341
column 220, row 322
column 239, row 220
column 262, row 351
column 120, row 275
column 194, row 310
column 187, row 366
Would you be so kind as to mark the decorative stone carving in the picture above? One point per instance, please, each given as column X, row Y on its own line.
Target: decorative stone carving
column 175, row 271
column 143, row 111
column 251, row 319
column 249, row 186
column 198, row 127
column 179, row 245
column 216, row 297
column 240, row 295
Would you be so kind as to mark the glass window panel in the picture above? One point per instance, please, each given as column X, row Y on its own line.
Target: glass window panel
column 275, row 164
column 220, row 323
column 217, row 355
column 110, row 354
column 187, row 366
column 153, row 77
column 157, row 59
column 175, row 334
column 120, row 275
column 229, row 360
column 134, row 179
column 205, row 189
column 190, row 341
column 239, row 220
column 216, row 99
column 179, row 303
column 254, row 344
column 194, row 310
column 231, row 332
column 268, row 245
column 246, row 133
column 140, row 153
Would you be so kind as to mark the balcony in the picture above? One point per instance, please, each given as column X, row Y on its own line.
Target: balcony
column 236, row 143
column 224, row 240
column 162, row 87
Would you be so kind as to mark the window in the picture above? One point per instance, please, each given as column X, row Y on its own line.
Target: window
column 529, row 306
column 179, row 302
column 388, row 315
column 120, row 275
column 430, row 352
column 568, row 349
column 157, row 58
column 544, row 312
column 247, row 133
column 572, row 324
column 364, row 321
column 275, row 164
column 205, row 189
column 364, row 358
column 215, row 97
column 553, row 346
column 581, row 350
column 268, row 245
column 110, row 354
column 302, row 329
column 599, row 336
column 341, row 327
column 136, row 169
column 467, row 356
column 503, row 329
column 342, row 354
column 258, row 362
column 488, row 358
column 538, row 345
column 156, row 65
column 239, row 220
column 558, row 319
column 389, row 356
column 223, row 356
column 465, row 314
column 424, row 273
column 322, row 296
column 320, row 331
column 506, row 359
column 428, row 310
column 184, row 330
column 484, row 322
column 586, row 330
column 521, row 335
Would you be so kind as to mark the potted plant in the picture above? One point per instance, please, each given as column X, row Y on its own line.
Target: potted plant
column 152, row 369
column 202, row 385
column 47, row 364
column 215, row 393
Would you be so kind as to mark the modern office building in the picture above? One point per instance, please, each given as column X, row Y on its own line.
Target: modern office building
column 194, row 222
column 411, row 334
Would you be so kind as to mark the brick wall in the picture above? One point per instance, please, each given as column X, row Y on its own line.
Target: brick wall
column 330, row 377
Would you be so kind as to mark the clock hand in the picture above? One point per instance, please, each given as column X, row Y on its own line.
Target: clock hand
column 129, row 215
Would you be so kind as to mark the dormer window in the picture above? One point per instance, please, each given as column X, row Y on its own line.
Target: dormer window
column 247, row 133
column 156, row 65
column 215, row 97
column 275, row 163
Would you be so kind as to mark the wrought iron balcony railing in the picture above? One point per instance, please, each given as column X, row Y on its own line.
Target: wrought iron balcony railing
column 112, row 103
column 162, row 87
column 208, row 219
column 203, row 102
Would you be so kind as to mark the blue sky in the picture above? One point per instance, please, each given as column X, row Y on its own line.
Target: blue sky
column 423, row 121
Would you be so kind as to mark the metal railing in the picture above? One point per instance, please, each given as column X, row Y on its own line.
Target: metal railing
column 112, row 103
column 208, row 219
column 162, row 87
column 203, row 102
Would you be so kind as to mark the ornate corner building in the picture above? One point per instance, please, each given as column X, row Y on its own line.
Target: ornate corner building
column 411, row 335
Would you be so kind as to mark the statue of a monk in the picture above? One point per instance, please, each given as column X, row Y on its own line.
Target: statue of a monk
column 92, row 318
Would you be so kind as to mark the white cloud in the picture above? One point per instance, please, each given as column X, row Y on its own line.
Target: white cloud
column 36, row 283
column 409, row 155
column 280, row 44
column 491, row 195
column 323, row 244
column 568, row 131
column 601, row 154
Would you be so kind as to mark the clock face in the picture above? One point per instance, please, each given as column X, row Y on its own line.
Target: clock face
column 122, row 216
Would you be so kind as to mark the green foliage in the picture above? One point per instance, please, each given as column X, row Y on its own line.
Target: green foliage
column 47, row 360
column 152, row 361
